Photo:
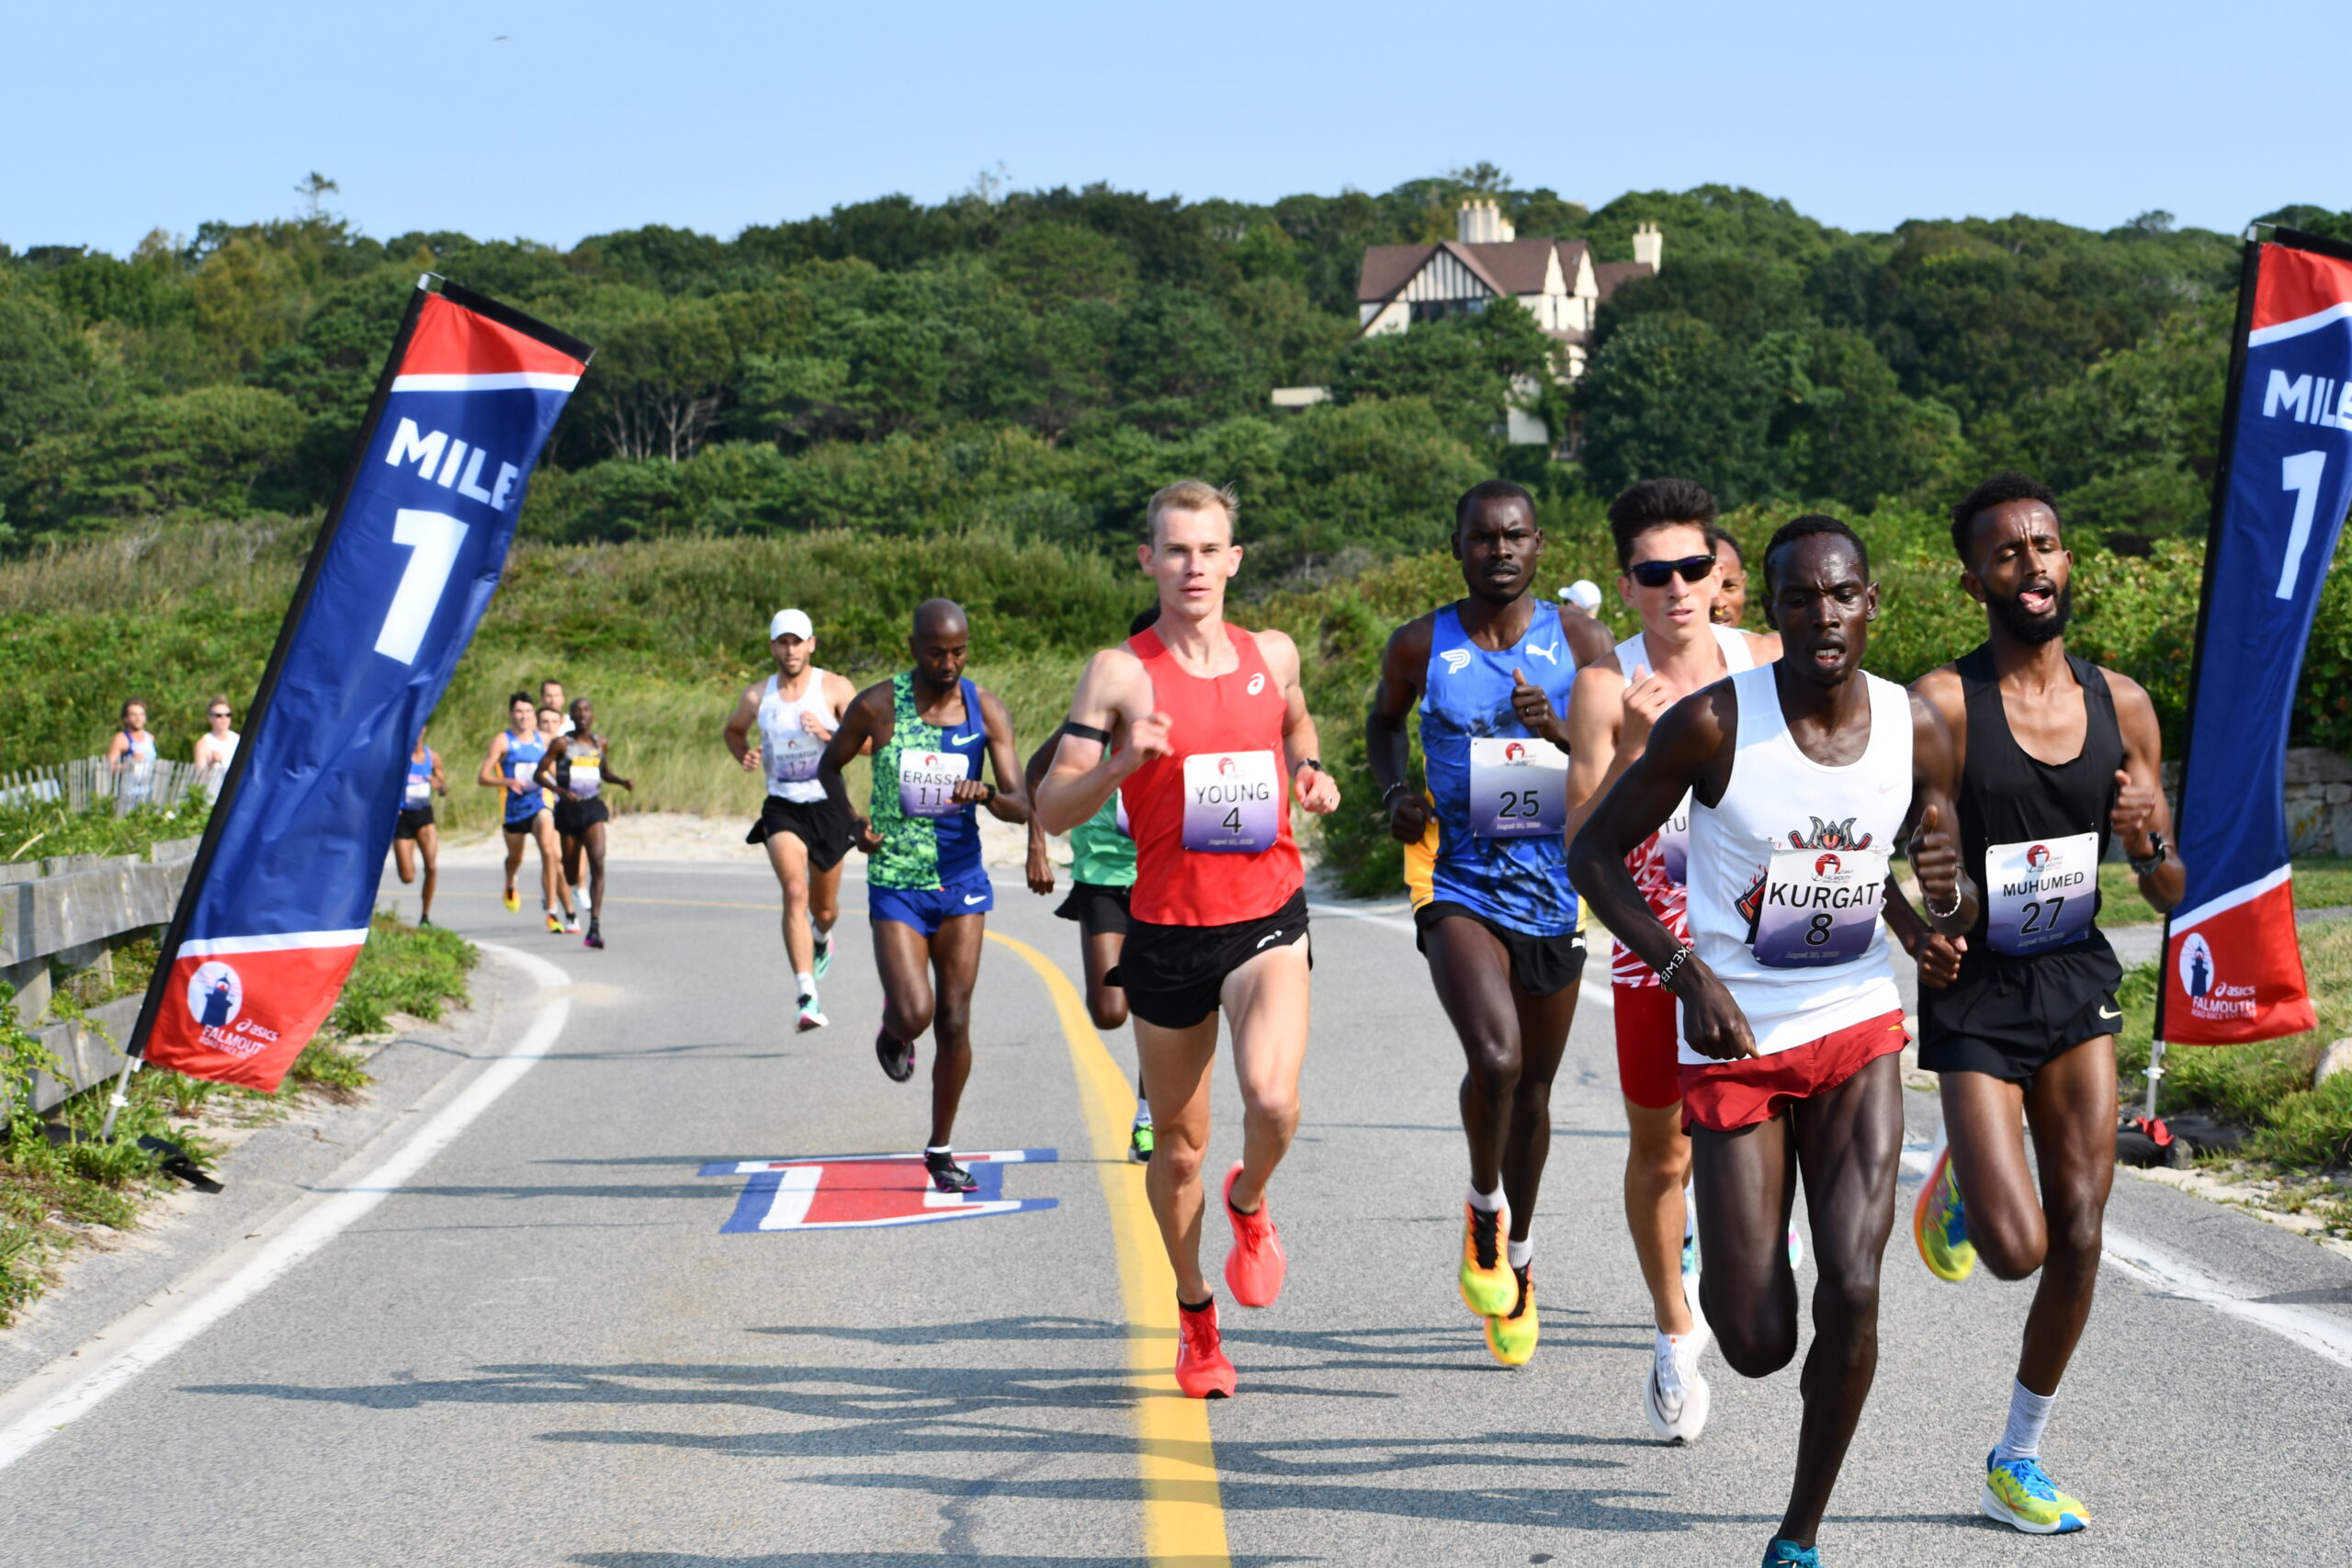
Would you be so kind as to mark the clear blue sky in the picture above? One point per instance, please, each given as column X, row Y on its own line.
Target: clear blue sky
column 595, row 115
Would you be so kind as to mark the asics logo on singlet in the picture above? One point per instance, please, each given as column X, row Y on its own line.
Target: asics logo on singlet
column 1257, row 685
column 1548, row 655
column 1457, row 659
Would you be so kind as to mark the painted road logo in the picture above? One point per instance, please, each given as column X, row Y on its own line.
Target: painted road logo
column 831, row 1192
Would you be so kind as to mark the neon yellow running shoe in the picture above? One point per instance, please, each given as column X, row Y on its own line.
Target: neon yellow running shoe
column 2019, row 1493
column 1511, row 1338
column 1487, row 1288
column 1938, row 1223
column 511, row 899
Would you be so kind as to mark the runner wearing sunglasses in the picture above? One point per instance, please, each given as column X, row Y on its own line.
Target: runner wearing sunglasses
column 1665, row 534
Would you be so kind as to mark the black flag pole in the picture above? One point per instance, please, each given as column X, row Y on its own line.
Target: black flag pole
column 257, row 717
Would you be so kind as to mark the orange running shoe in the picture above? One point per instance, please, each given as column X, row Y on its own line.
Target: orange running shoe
column 1254, row 1269
column 1202, row 1370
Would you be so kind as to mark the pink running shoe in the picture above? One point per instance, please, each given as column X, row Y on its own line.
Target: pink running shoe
column 1202, row 1370
column 1254, row 1269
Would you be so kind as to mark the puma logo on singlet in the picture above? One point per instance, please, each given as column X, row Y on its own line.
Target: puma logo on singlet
column 1549, row 655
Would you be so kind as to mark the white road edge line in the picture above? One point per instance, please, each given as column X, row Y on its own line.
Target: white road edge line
column 74, row 1384
column 2153, row 1269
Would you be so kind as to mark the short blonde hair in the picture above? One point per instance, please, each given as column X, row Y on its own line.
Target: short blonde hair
column 1190, row 495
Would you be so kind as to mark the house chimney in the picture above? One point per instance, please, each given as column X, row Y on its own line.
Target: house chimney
column 1483, row 223
column 1649, row 245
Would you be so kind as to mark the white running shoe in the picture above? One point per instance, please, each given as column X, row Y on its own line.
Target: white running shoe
column 1674, row 1395
column 571, row 922
column 809, row 1016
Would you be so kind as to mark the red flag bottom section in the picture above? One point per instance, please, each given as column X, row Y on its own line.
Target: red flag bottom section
column 241, row 1012
column 2233, row 971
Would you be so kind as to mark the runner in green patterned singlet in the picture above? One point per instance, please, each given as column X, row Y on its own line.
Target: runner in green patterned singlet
column 927, row 893
column 1101, row 871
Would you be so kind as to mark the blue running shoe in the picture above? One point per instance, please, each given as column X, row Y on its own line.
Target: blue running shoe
column 1939, row 1223
column 1786, row 1553
column 2019, row 1493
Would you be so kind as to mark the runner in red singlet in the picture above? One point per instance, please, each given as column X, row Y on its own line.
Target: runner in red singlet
column 1202, row 728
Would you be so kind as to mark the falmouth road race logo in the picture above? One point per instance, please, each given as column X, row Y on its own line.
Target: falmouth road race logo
column 216, row 995
column 2197, row 976
column 1514, row 753
column 1223, row 766
column 1827, row 865
column 2037, row 857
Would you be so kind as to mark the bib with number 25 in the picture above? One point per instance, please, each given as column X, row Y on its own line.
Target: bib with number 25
column 1819, row 907
column 2039, row 893
column 1519, row 787
column 1232, row 802
column 927, row 782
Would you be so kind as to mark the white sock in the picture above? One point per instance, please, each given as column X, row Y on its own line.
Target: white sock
column 1143, row 1115
column 2029, row 1414
column 1486, row 1202
column 937, row 1149
column 1520, row 1252
column 807, row 983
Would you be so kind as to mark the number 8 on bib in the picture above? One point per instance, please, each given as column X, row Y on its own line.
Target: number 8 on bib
column 1819, row 907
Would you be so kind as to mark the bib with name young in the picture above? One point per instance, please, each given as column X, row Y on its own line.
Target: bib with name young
column 1519, row 788
column 2040, row 894
column 1818, row 907
column 927, row 782
column 1232, row 802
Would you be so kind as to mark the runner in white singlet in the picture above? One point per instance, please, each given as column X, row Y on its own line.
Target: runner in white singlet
column 798, row 709
column 1804, row 775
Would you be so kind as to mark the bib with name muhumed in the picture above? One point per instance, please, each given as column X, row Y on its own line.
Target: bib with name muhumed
column 1232, row 802
column 2040, row 894
column 1519, row 788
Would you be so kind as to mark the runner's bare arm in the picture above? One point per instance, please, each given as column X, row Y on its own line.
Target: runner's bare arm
column 1596, row 704
column 2140, row 805
column 1689, row 749
column 839, row 694
column 543, row 776
column 1317, row 790
column 865, row 719
column 1935, row 839
column 1009, row 802
column 738, row 728
column 604, row 746
column 440, row 781
column 493, row 767
column 1033, row 774
column 1114, row 694
column 1937, row 955
column 1588, row 640
column 1403, row 665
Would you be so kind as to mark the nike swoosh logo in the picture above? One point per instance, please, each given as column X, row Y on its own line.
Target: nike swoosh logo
column 1269, row 936
column 975, row 897
column 2108, row 1012
column 964, row 739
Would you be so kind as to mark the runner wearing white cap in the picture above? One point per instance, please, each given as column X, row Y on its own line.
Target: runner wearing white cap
column 798, row 709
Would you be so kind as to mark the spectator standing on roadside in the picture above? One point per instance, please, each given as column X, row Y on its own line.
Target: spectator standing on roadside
column 216, row 746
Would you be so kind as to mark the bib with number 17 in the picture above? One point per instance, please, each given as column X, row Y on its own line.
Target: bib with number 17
column 1818, row 907
column 2039, row 894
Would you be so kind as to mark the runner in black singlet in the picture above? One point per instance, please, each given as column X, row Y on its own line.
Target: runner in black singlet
column 2018, row 1017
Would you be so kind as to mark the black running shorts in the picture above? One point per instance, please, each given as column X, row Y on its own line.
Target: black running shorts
column 1173, row 974
column 820, row 824
column 411, row 820
column 2010, row 1017
column 1541, row 965
column 1097, row 909
column 573, row 817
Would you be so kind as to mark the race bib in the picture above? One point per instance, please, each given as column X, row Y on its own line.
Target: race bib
column 419, row 790
column 520, row 770
column 2039, row 893
column 927, row 782
column 587, row 775
column 794, row 762
column 1818, row 907
column 1232, row 802
column 1519, row 788
column 1674, row 843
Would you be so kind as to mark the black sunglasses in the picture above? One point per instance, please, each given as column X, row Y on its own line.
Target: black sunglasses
column 1658, row 573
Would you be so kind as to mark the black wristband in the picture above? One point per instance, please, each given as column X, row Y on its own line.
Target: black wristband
column 1389, row 795
column 1307, row 763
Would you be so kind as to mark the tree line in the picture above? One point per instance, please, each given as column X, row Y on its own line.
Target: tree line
column 1037, row 362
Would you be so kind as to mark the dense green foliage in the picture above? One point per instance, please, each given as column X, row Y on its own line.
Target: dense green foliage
column 1039, row 361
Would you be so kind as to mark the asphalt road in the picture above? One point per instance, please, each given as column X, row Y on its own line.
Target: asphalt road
column 509, row 1324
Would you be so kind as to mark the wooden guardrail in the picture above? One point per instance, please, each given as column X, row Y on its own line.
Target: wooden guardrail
column 158, row 781
column 67, row 915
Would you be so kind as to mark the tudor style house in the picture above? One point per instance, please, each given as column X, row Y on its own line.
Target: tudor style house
column 1557, row 280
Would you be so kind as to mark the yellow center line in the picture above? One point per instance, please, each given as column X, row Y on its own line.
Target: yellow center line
column 1184, row 1517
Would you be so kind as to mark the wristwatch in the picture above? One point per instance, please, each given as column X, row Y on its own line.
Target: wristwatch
column 2142, row 867
column 1307, row 763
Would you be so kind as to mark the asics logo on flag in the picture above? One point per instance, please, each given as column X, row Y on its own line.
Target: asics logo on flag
column 1257, row 685
column 1548, row 655
column 1457, row 659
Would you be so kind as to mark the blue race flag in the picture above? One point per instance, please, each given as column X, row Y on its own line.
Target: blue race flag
column 2233, row 970
column 279, row 899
